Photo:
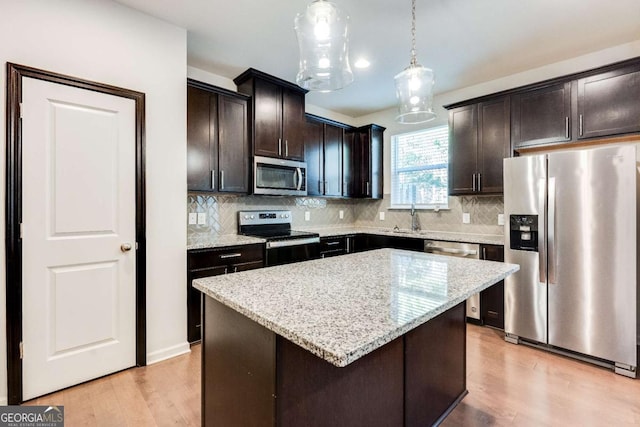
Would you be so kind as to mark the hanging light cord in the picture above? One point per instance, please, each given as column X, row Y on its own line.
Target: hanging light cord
column 414, row 61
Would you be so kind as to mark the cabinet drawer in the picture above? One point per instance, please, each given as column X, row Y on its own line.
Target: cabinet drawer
column 207, row 258
column 333, row 244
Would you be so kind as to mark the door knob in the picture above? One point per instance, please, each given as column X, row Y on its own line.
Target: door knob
column 125, row 247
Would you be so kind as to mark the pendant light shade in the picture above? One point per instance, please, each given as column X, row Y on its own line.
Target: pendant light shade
column 323, row 40
column 414, row 86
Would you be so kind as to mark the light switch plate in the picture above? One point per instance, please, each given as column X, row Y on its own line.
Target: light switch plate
column 193, row 218
column 307, row 216
column 341, row 214
column 500, row 219
column 202, row 218
column 466, row 218
column 381, row 216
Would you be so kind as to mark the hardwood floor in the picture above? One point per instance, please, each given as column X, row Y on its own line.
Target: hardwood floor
column 509, row 385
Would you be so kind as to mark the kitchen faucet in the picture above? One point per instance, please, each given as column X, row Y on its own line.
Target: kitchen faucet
column 414, row 218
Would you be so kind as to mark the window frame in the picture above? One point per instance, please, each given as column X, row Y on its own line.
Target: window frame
column 394, row 173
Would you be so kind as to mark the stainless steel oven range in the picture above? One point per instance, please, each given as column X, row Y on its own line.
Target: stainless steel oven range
column 284, row 245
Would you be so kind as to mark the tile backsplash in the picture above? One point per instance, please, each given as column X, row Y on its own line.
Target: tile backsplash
column 221, row 213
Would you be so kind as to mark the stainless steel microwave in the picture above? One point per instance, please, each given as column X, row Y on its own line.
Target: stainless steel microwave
column 279, row 177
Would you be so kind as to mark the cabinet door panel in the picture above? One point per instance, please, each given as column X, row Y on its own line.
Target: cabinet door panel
column 492, row 299
column 542, row 116
column 313, row 156
column 268, row 119
column 348, row 168
column 233, row 143
column 494, row 143
column 377, row 180
column 463, row 144
column 332, row 160
column 199, row 142
column 609, row 104
column 363, row 164
column 293, row 123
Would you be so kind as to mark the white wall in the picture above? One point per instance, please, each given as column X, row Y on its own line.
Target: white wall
column 386, row 118
column 106, row 42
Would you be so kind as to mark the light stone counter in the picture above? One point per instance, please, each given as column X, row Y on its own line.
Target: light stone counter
column 342, row 308
column 207, row 242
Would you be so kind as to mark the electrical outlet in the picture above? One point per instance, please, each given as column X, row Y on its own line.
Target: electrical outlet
column 341, row 214
column 307, row 216
column 381, row 216
column 500, row 219
column 193, row 218
column 466, row 218
column 202, row 218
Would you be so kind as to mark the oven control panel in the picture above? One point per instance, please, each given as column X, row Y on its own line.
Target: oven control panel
column 264, row 217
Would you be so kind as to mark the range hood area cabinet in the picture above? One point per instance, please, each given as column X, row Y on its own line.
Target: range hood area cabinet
column 218, row 149
column 479, row 139
column 277, row 108
column 604, row 102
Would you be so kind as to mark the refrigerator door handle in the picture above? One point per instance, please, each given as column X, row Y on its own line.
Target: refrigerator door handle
column 542, row 247
column 551, row 226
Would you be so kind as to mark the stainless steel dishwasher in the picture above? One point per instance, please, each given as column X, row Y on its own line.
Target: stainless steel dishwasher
column 464, row 250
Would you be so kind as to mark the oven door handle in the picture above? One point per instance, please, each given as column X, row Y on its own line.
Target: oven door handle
column 292, row 242
column 299, row 172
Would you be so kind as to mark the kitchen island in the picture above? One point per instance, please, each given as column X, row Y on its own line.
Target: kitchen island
column 372, row 338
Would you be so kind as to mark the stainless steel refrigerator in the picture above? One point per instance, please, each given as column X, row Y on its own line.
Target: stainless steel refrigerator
column 571, row 225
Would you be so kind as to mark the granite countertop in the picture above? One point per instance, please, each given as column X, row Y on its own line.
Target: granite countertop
column 205, row 242
column 342, row 308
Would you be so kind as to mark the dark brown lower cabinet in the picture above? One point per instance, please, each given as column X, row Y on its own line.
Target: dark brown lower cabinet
column 214, row 262
column 252, row 376
column 492, row 299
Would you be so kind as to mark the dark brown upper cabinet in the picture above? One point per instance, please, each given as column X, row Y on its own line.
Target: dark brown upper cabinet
column 541, row 116
column 278, row 114
column 369, row 179
column 479, row 140
column 609, row 103
column 348, row 163
column 217, row 139
column 324, row 157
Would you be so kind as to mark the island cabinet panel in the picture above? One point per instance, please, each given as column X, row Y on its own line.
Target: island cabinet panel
column 433, row 389
column 253, row 376
column 609, row 103
column 541, row 116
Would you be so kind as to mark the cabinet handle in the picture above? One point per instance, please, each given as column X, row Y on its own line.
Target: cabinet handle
column 279, row 146
column 235, row 268
column 225, row 270
column 492, row 313
column 479, row 181
column 222, row 180
column 348, row 245
column 473, row 182
column 566, row 127
column 581, row 120
column 225, row 256
column 333, row 243
column 344, row 189
column 368, row 188
column 213, row 179
column 484, row 253
column 286, row 148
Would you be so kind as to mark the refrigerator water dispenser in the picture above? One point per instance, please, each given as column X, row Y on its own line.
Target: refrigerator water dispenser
column 524, row 232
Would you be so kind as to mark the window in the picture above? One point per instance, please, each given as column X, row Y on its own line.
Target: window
column 419, row 169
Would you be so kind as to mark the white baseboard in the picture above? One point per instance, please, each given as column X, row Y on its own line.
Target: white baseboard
column 168, row 353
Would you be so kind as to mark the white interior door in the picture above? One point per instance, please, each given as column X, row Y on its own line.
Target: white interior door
column 78, row 209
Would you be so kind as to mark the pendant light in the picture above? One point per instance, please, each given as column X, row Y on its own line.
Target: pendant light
column 414, row 86
column 323, row 39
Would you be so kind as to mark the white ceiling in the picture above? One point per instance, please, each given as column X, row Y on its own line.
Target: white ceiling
column 464, row 41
